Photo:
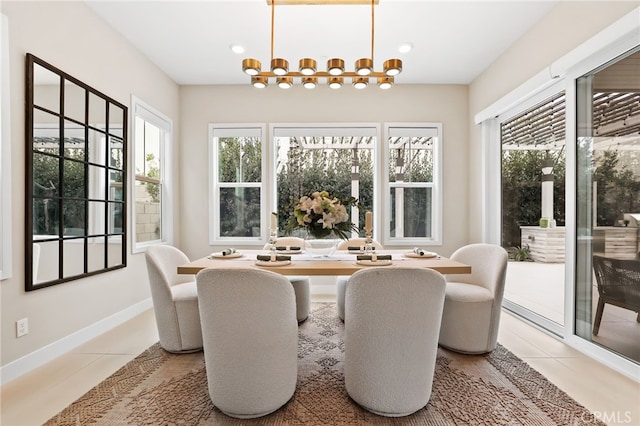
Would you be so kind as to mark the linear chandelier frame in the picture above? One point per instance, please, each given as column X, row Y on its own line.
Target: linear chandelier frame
column 308, row 72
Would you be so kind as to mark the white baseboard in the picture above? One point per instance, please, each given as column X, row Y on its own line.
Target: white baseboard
column 53, row 350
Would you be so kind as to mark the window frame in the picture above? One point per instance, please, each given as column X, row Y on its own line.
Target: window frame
column 436, row 185
column 382, row 211
column 243, row 129
column 149, row 114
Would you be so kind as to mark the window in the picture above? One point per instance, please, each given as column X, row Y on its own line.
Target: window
column 339, row 160
column 414, row 178
column 152, row 148
column 343, row 160
column 237, row 194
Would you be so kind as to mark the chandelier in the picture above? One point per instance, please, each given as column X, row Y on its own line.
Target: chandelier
column 308, row 72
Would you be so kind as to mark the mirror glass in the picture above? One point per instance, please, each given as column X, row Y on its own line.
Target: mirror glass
column 76, row 202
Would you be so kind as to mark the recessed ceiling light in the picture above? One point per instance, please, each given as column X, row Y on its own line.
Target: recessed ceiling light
column 236, row 48
column 405, row 47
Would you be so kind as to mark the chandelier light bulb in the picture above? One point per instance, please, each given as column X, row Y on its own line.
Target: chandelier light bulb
column 335, row 82
column 284, row 82
column 259, row 82
column 309, row 82
column 360, row 82
column 385, row 82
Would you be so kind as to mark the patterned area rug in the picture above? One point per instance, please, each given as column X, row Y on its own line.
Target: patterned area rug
column 160, row 388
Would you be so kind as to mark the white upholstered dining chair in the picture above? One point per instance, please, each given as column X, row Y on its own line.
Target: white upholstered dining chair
column 341, row 280
column 391, row 338
column 301, row 284
column 175, row 300
column 250, row 335
column 473, row 302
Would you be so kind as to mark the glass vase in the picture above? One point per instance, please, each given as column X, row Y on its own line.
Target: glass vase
column 320, row 246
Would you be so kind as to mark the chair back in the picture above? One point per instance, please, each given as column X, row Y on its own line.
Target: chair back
column 618, row 279
column 250, row 336
column 391, row 337
column 163, row 262
column 488, row 267
column 357, row 242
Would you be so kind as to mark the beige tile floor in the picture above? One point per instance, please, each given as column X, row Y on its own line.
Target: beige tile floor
column 37, row 396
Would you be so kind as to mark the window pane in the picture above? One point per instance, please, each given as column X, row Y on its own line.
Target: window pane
column 411, row 159
column 239, row 212
column 415, row 206
column 148, row 211
column 239, row 159
column 341, row 165
column 74, row 101
column 74, row 142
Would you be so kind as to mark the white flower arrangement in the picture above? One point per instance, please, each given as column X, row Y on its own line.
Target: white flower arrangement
column 322, row 215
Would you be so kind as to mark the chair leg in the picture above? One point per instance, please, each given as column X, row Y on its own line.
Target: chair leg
column 598, row 318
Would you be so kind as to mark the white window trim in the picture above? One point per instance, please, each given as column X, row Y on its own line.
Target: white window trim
column 436, row 185
column 613, row 41
column 142, row 109
column 5, row 154
column 214, row 188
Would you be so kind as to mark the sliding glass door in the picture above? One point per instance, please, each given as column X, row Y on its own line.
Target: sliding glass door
column 533, row 210
column 608, row 206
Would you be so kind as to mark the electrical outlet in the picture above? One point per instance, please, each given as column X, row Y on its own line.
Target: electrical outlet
column 22, row 327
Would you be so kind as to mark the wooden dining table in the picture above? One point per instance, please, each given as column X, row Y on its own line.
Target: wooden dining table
column 340, row 263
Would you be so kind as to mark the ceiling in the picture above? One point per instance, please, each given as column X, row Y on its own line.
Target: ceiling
column 453, row 41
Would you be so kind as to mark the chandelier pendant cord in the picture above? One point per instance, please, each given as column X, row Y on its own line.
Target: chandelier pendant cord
column 373, row 25
column 273, row 14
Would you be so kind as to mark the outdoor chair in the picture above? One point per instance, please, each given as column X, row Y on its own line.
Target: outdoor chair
column 618, row 283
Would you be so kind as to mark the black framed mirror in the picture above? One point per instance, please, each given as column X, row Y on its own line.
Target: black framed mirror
column 76, row 186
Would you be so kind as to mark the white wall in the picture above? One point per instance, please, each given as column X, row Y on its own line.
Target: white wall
column 201, row 105
column 69, row 36
column 566, row 26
